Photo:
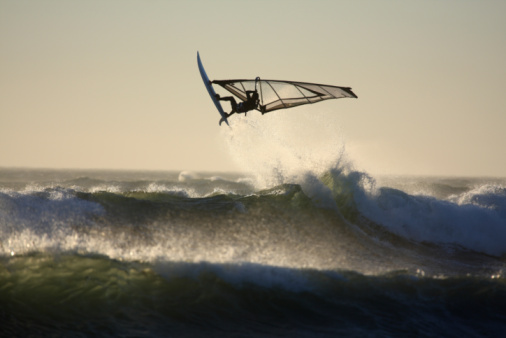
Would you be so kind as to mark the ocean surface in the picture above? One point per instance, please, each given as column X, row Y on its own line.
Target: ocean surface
column 185, row 254
column 298, row 243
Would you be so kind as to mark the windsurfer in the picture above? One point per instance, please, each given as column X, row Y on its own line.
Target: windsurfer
column 244, row 106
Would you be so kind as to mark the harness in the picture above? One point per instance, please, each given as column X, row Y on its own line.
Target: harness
column 243, row 107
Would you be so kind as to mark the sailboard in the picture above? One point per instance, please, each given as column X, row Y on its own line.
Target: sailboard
column 211, row 91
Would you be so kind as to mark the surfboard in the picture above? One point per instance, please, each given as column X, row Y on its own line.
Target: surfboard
column 211, row 91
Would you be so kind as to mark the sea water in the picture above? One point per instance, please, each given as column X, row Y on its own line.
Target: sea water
column 301, row 246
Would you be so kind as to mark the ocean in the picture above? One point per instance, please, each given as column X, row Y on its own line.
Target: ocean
column 198, row 254
column 299, row 243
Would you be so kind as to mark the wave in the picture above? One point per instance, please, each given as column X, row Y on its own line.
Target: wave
column 339, row 221
column 304, row 245
column 474, row 219
column 93, row 295
column 459, row 214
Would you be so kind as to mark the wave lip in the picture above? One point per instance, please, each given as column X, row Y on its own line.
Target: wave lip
column 474, row 220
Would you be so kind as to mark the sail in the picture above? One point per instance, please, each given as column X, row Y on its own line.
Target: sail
column 276, row 94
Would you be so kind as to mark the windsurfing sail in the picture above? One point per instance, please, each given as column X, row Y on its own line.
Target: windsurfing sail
column 276, row 94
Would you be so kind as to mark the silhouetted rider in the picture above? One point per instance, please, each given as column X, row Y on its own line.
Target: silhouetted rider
column 251, row 102
column 243, row 106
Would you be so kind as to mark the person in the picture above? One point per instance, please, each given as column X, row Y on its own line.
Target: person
column 244, row 106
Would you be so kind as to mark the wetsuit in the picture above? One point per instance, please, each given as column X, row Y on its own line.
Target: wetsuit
column 242, row 107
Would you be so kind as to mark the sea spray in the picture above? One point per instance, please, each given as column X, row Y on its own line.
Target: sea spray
column 288, row 148
column 271, row 149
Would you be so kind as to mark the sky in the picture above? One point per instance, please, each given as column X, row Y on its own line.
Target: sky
column 114, row 84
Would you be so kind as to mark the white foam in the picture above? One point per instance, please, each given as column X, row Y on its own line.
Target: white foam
column 115, row 189
column 170, row 190
column 486, row 196
column 44, row 212
column 186, row 176
column 473, row 220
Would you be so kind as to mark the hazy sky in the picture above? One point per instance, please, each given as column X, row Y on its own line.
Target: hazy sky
column 115, row 84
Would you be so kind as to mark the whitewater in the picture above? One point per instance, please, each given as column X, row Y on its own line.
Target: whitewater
column 301, row 243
